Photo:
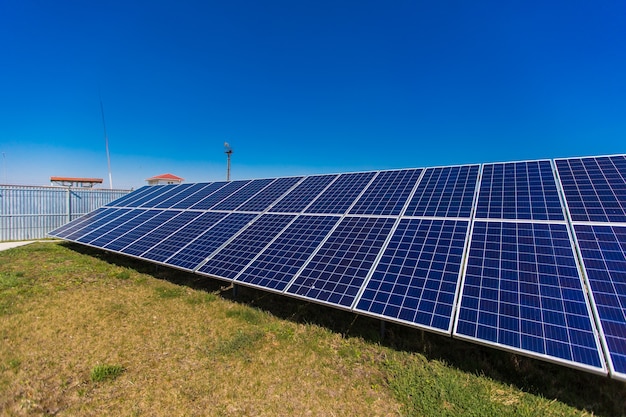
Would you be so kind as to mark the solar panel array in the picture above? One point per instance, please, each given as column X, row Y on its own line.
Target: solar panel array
column 527, row 256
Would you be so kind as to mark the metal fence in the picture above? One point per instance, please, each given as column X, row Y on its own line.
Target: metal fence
column 30, row 212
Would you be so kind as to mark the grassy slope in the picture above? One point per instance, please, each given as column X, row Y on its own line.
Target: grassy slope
column 185, row 348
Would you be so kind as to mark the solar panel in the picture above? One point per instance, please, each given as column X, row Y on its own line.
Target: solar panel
column 169, row 191
column 242, row 195
column 135, row 194
column 416, row 280
column 219, row 195
column 196, row 251
column 68, row 228
column 185, row 234
column 195, row 196
column 279, row 263
column 179, row 194
column 269, row 195
column 603, row 250
column 522, row 291
column 301, row 196
column 388, row 193
column 96, row 222
column 139, row 232
column 489, row 254
column 153, row 193
column 595, row 188
column 236, row 255
column 445, row 192
column 519, row 190
column 595, row 191
column 114, row 229
column 153, row 237
column 337, row 198
column 338, row 269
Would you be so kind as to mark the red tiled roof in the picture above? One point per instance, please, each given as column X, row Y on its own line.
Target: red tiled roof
column 166, row 177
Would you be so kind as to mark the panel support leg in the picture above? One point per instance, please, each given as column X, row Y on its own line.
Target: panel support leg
column 382, row 330
column 235, row 290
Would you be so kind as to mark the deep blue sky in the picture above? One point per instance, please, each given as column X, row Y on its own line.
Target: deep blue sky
column 301, row 87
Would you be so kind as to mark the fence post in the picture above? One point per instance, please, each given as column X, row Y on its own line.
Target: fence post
column 68, row 205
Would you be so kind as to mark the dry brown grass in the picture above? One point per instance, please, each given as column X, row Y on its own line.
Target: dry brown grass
column 184, row 353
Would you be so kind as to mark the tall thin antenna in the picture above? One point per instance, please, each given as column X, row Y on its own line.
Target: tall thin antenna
column 106, row 145
column 228, row 151
column 4, row 166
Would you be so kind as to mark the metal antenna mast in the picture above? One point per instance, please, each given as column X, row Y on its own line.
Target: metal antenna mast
column 106, row 144
column 228, row 151
column 4, row 166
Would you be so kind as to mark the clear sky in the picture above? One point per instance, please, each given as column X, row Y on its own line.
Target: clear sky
column 303, row 87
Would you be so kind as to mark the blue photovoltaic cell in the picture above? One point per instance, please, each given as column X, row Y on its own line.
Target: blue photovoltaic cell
column 69, row 228
column 219, row 195
column 303, row 194
column 190, row 256
column 234, row 257
column 156, row 235
column 242, row 195
column 341, row 194
column 519, row 190
column 522, row 290
column 132, row 195
column 417, row 277
column 187, row 233
column 95, row 223
column 445, row 192
column 338, row 269
column 603, row 249
column 181, row 193
column 153, row 193
column 200, row 194
column 388, row 193
column 270, row 194
column 171, row 190
column 595, row 188
column 280, row 262
column 118, row 227
column 140, row 230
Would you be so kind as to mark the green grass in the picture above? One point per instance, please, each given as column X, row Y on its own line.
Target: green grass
column 188, row 348
column 200, row 297
column 241, row 342
column 169, row 292
column 435, row 389
column 14, row 285
column 246, row 314
column 125, row 274
column 11, row 280
column 105, row 372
